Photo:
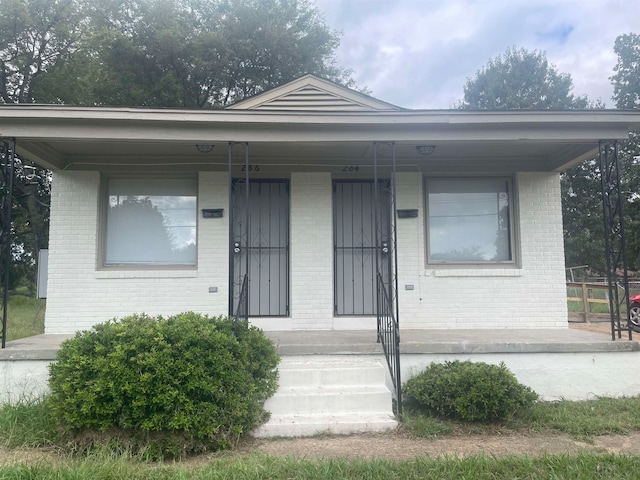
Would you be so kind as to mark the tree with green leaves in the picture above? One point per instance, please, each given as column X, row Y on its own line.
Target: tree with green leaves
column 520, row 79
column 626, row 80
column 35, row 36
column 626, row 94
column 152, row 53
column 192, row 53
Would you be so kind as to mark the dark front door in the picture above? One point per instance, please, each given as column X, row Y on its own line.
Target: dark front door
column 356, row 255
column 264, row 244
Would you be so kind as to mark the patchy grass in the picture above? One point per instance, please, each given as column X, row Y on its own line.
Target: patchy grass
column 28, row 423
column 601, row 416
column 584, row 419
column 584, row 465
column 25, row 317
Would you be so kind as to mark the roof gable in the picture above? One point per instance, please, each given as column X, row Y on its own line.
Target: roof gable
column 311, row 93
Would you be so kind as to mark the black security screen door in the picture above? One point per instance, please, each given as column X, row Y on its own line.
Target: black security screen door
column 355, row 254
column 265, row 245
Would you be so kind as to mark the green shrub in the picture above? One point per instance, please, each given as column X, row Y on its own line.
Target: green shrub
column 469, row 391
column 170, row 385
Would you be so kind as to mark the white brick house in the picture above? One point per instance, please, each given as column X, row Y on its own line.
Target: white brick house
column 487, row 237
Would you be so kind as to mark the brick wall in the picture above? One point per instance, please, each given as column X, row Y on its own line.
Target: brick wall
column 311, row 251
column 79, row 295
column 532, row 295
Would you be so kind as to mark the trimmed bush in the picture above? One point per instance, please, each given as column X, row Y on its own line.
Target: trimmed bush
column 180, row 384
column 469, row 391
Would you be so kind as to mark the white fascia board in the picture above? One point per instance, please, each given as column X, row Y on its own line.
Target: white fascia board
column 30, row 112
column 50, row 122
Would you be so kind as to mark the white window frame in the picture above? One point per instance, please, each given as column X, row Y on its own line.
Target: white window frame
column 102, row 229
column 513, row 222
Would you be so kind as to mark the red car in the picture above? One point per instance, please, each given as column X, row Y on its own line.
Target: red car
column 634, row 313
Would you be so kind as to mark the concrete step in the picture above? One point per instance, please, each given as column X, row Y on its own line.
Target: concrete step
column 309, row 425
column 329, row 394
column 340, row 371
column 330, row 400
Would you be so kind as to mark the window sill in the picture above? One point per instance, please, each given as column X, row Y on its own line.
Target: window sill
column 192, row 273
column 479, row 272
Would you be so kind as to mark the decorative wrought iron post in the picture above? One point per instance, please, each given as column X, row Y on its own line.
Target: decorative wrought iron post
column 614, row 239
column 7, row 168
column 387, row 289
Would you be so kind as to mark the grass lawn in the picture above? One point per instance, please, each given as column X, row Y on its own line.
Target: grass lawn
column 581, row 420
column 25, row 317
column 28, row 430
column 580, row 466
column 29, row 425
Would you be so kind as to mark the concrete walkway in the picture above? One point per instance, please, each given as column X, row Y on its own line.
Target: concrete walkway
column 363, row 342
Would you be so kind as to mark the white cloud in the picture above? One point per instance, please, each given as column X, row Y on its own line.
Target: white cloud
column 419, row 53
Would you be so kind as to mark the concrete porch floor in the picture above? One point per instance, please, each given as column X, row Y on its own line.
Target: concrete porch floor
column 363, row 342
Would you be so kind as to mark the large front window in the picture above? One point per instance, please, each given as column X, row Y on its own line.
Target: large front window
column 151, row 222
column 469, row 220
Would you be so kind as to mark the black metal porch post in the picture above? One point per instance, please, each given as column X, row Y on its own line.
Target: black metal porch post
column 394, row 286
column 247, row 229
column 376, row 239
column 231, row 240
column 7, row 154
column 387, row 293
column 236, row 248
column 614, row 237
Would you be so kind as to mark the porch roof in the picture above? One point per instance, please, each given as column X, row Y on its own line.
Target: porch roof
column 61, row 137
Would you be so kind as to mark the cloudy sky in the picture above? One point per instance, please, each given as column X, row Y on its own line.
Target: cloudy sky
column 419, row 53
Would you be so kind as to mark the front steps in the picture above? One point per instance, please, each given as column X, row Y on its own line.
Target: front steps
column 332, row 394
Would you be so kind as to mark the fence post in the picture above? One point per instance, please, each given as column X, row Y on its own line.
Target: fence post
column 585, row 302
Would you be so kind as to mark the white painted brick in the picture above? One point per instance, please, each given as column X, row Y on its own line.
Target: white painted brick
column 311, row 251
column 80, row 296
column 530, row 296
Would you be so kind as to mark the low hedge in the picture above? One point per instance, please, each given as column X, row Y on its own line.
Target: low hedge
column 468, row 391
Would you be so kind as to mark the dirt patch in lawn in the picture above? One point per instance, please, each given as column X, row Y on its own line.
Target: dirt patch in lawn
column 395, row 446
column 401, row 447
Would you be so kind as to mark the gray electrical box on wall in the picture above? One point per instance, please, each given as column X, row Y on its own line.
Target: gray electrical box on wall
column 43, row 272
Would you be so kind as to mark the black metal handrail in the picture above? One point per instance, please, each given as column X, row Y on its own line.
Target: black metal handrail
column 242, row 310
column 389, row 337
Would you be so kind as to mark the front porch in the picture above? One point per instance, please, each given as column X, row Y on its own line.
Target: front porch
column 557, row 363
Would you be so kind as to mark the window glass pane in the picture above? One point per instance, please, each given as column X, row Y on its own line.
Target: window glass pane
column 151, row 222
column 469, row 220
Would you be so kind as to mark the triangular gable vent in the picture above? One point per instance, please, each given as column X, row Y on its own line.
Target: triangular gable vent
column 310, row 93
